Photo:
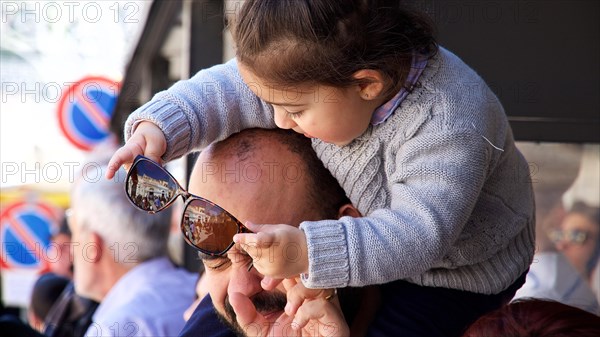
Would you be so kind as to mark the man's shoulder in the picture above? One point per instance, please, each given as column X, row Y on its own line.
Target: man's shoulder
column 156, row 273
column 139, row 318
column 173, row 288
column 122, row 324
column 146, row 301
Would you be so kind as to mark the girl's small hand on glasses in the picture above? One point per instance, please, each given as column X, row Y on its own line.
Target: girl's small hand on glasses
column 269, row 247
column 147, row 139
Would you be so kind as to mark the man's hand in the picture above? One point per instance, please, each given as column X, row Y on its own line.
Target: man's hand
column 256, row 325
column 147, row 139
column 277, row 251
column 315, row 317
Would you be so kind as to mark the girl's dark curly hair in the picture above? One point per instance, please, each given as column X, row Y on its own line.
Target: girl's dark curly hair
column 292, row 42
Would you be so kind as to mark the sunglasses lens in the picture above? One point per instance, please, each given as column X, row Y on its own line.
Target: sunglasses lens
column 568, row 236
column 208, row 227
column 150, row 187
column 555, row 235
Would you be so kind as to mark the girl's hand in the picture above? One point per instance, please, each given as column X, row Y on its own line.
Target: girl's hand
column 277, row 251
column 298, row 294
column 147, row 139
column 319, row 312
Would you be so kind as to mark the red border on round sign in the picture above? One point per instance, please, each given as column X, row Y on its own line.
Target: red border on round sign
column 47, row 211
column 64, row 100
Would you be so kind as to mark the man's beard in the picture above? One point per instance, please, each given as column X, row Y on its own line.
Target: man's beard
column 265, row 302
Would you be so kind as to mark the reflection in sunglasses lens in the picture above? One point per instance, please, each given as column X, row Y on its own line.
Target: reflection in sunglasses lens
column 208, row 227
column 150, row 187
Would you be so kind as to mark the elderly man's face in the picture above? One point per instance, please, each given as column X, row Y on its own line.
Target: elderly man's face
column 268, row 188
column 85, row 254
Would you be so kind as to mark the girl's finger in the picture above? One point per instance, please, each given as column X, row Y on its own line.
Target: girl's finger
column 299, row 293
column 245, row 239
column 255, row 228
column 289, row 283
column 259, row 240
column 124, row 155
column 269, row 283
column 325, row 314
column 266, row 228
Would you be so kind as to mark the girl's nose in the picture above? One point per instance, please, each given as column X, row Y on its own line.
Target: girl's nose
column 282, row 120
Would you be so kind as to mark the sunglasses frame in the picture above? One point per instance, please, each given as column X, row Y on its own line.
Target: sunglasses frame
column 573, row 236
column 187, row 198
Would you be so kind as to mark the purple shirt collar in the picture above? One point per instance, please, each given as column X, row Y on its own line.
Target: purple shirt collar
column 419, row 62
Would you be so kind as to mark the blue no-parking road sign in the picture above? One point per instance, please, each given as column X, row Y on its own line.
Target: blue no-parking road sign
column 85, row 110
column 25, row 230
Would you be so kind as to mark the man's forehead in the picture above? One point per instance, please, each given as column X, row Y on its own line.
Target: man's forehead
column 252, row 190
column 277, row 168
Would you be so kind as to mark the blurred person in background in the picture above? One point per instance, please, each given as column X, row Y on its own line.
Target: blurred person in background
column 12, row 326
column 200, row 293
column 578, row 238
column 59, row 252
column 120, row 260
column 586, row 189
column 533, row 318
column 45, row 293
column 71, row 314
column 554, row 168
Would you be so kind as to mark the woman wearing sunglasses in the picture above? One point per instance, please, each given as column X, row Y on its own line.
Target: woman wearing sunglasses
column 578, row 238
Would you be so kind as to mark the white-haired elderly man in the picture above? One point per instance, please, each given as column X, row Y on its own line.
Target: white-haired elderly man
column 120, row 260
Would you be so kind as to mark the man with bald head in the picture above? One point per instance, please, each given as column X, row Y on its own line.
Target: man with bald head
column 274, row 177
column 261, row 176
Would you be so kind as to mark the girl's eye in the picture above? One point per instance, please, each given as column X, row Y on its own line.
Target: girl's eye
column 293, row 114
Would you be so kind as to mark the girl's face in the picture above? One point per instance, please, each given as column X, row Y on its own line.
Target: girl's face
column 333, row 115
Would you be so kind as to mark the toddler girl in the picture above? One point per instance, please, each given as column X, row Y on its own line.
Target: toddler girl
column 415, row 137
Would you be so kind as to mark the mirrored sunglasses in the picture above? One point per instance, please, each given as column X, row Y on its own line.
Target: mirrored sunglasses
column 205, row 225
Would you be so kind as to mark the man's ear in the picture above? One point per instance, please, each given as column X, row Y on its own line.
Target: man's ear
column 371, row 83
column 96, row 249
column 349, row 210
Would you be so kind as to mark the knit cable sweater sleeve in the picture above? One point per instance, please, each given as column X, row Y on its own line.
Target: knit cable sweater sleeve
column 209, row 107
column 446, row 194
column 434, row 188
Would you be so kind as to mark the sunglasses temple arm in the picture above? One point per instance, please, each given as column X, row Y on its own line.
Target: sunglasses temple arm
column 250, row 265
